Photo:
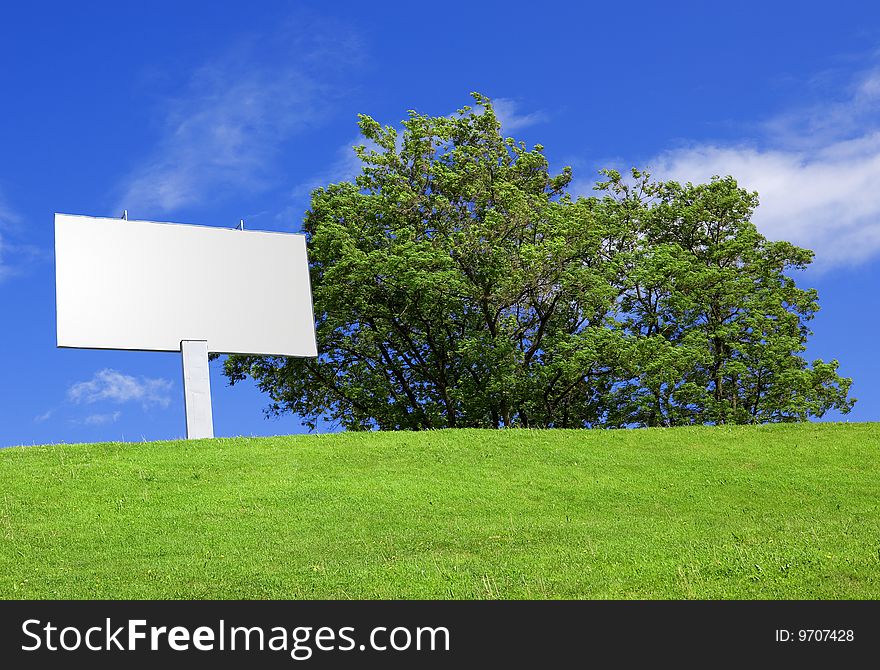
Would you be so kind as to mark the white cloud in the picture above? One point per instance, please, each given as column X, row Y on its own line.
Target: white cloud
column 225, row 132
column 824, row 200
column 101, row 419
column 510, row 119
column 116, row 387
column 5, row 270
column 15, row 257
column 816, row 174
column 220, row 138
column 8, row 219
column 45, row 416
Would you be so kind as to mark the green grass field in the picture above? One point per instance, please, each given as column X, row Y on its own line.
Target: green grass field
column 729, row 512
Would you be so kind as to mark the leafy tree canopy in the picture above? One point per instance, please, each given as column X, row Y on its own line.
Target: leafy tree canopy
column 458, row 283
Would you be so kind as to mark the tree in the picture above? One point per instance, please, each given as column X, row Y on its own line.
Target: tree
column 457, row 283
column 715, row 325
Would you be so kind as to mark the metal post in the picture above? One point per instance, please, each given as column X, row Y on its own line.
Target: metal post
column 197, row 389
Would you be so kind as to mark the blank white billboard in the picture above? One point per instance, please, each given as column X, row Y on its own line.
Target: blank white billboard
column 144, row 285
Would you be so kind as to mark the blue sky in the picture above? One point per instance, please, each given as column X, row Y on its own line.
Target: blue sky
column 213, row 112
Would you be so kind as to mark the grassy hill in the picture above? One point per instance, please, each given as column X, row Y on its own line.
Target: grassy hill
column 729, row 512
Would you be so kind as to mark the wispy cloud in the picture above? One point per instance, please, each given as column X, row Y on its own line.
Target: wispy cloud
column 507, row 111
column 14, row 257
column 101, row 419
column 45, row 416
column 223, row 133
column 5, row 269
column 116, row 387
column 8, row 217
column 816, row 170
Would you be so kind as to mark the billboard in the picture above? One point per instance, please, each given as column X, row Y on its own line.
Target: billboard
column 146, row 285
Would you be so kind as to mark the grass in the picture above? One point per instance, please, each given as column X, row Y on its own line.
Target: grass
column 728, row 512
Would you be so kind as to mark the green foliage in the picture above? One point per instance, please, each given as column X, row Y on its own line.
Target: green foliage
column 780, row 511
column 458, row 284
column 714, row 326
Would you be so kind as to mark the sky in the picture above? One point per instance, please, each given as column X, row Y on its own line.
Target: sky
column 211, row 112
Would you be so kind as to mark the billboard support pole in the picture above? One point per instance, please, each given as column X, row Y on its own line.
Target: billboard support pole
column 197, row 389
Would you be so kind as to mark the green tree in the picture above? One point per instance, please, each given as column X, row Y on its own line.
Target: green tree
column 714, row 324
column 456, row 283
